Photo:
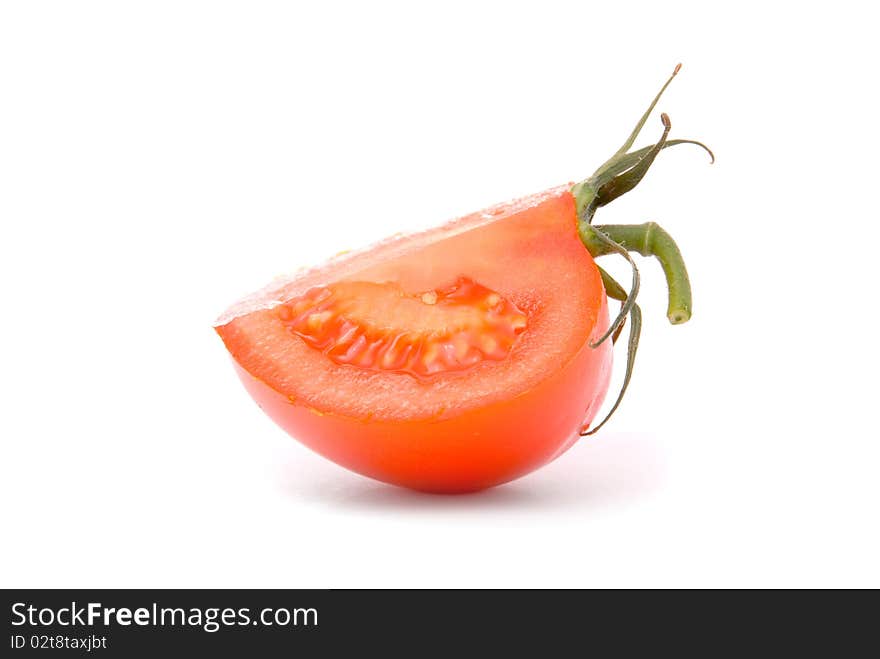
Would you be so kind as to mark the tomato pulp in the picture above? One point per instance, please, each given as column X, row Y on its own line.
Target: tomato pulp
column 447, row 361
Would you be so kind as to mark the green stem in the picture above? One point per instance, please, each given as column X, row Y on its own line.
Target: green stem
column 617, row 176
column 635, row 331
column 649, row 239
column 603, row 244
column 635, row 133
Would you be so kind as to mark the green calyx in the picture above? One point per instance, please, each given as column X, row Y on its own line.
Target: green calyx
column 617, row 176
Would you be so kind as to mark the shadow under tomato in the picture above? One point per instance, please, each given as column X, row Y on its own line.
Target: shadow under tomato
column 611, row 470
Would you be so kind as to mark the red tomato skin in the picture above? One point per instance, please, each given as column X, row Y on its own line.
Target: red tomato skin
column 472, row 449
column 470, row 452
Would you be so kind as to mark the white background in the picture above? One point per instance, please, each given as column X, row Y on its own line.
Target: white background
column 158, row 160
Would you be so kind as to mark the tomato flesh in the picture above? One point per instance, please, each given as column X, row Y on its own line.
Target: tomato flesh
column 380, row 326
column 451, row 360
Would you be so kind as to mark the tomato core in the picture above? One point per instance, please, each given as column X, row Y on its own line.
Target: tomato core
column 379, row 326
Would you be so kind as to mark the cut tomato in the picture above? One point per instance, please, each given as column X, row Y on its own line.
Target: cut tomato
column 450, row 360
column 465, row 356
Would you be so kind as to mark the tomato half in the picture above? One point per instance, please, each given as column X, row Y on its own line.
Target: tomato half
column 446, row 361
column 465, row 356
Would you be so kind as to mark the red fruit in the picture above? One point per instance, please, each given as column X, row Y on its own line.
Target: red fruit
column 450, row 360
column 465, row 356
